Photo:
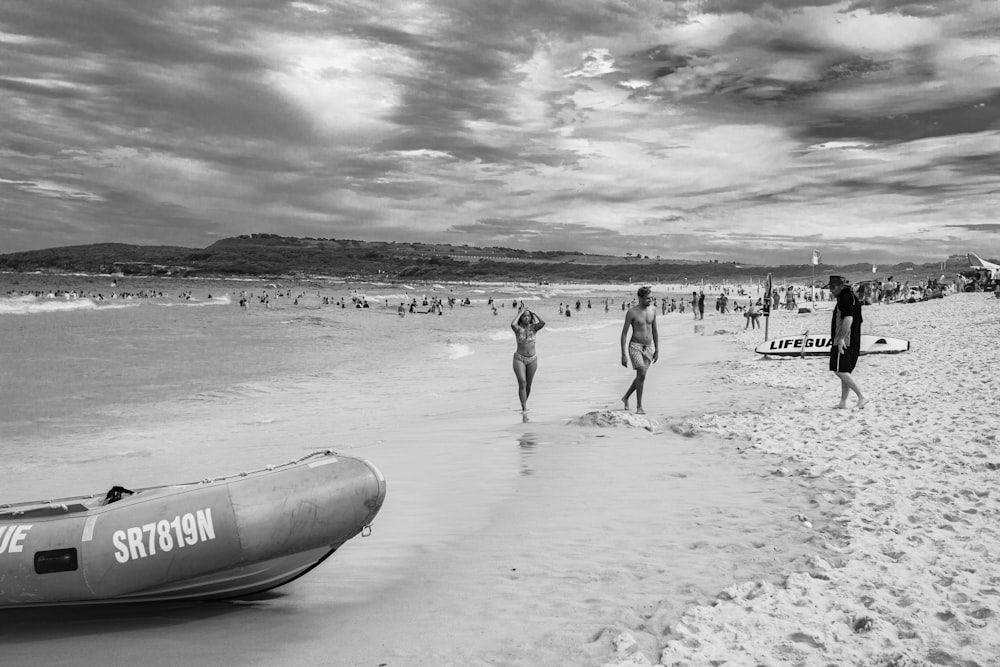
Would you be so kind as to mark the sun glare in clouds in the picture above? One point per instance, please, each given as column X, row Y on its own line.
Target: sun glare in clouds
column 705, row 31
column 338, row 81
column 597, row 62
column 861, row 30
column 51, row 189
column 968, row 68
column 530, row 101
column 9, row 38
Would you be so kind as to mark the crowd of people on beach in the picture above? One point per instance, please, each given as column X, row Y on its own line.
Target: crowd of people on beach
column 728, row 298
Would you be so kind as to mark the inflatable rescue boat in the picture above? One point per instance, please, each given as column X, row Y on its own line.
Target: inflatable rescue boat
column 224, row 537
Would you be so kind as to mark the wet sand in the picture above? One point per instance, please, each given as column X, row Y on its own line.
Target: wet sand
column 501, row 542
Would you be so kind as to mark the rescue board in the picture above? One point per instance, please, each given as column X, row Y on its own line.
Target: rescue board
column 816, row 345
column 225, row 537
column 815, row 307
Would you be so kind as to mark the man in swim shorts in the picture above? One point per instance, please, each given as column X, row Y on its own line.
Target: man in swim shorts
column 845, row 334
column 644, row 346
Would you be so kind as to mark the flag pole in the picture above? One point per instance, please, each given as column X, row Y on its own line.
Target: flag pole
column 812, row 285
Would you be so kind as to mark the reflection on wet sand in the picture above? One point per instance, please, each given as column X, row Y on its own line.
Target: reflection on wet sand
column 527, row 443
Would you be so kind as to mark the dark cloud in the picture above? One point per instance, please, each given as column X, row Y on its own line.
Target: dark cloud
column 141, row 31
column 741, row 70
column 564, row 19
column 542, row 235
column 973, row 165
column 894, row 184
column 127, row 213
column 654, row 237
column 739, row 76
column 910, row 7
column 656, row 62
column 959, row 118
column 776, row 249
column 211, row 102
column 843, row 67
column 610, row 194
column 527, row 226
column 990, row 227
column 110, row 72
column 767, row 8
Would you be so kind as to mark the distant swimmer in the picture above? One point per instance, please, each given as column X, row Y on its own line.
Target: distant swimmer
column 525, row 325
column 644, row 346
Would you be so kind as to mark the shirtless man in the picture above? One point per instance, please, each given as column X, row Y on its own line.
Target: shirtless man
column 644, row 347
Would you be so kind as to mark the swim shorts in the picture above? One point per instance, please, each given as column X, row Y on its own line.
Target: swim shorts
column 844, row 362
column 641, row 355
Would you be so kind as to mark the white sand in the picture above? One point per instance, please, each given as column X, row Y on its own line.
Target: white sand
column 904, row 519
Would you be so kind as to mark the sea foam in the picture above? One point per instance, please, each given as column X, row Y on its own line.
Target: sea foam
column 458, row 350
column 29, row 305
column 223, row 300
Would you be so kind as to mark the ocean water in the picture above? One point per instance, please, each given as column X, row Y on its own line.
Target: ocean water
column 101, row 379
column 502, row 541
column 74, row 366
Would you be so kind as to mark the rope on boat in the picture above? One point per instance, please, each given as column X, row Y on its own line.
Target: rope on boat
column 207, row 480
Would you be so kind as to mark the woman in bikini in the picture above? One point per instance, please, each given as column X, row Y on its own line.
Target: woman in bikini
column 525, row 325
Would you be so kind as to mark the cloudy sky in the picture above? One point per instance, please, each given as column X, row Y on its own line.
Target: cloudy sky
column 721, row 129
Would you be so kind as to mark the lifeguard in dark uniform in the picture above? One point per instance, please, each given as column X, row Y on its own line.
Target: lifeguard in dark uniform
column 845, row 332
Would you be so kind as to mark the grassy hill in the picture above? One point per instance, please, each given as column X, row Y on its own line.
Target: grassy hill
column 271, row 255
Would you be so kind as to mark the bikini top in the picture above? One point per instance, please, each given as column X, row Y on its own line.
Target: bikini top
column 526, row 334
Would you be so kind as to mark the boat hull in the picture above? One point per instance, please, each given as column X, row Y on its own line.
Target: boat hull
column 219, row 538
